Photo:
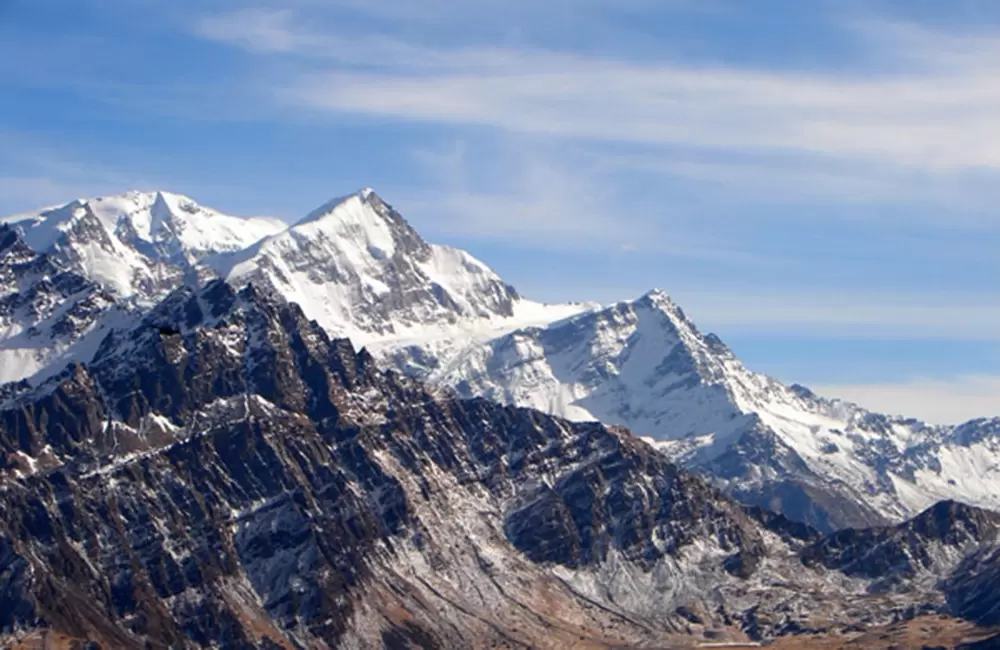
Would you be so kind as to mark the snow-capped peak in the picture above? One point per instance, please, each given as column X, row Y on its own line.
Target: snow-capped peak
column 360, row 219
column 137, row 244
column 356, row 266
column 331, row 207
column 657, row 295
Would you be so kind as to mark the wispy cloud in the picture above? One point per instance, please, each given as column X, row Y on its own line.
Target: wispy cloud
column 932, row 122
column 861, row 314
column 542, row 196
column 960, row 199
column 939, row 401
column 261, row 30
column 525, row 193
column 324, row 27
column 938, row 113
column 915, row 125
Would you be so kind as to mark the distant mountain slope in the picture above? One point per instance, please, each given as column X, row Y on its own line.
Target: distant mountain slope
column 48, row 315
column 645, row 366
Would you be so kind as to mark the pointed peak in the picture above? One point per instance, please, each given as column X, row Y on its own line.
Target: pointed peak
column 160, row 207
column 68, row 209
column 657, row 300
column 660, row 300
column 335, row 205
column 363, row 210
column 657, row 295
column 129, row 200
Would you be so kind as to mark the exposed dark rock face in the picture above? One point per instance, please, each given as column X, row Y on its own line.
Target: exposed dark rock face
column 598, row 507
column 791, row 487
column 223, row 474
column 891, row 556
column 973, row 589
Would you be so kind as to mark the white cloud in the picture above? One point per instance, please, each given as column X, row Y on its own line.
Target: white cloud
column 263, row 30
column 932, row 122
column 936, row 116
column 915, row 124
column 938, row 401
column 861, row 314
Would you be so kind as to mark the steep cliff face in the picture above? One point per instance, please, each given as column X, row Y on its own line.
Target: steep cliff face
column 224, row 473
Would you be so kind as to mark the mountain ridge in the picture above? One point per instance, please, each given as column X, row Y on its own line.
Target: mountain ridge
column 437, row 314
column 137, row 244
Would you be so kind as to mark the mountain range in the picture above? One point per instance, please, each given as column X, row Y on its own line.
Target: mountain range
column 197, row 450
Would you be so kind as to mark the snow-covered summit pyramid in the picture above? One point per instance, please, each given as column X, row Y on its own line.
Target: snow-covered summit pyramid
column 360, row 270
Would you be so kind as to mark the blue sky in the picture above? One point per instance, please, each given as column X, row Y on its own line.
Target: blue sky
column 815, row 181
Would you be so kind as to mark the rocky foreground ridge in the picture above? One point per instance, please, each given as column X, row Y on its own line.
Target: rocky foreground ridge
column 222, row 473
